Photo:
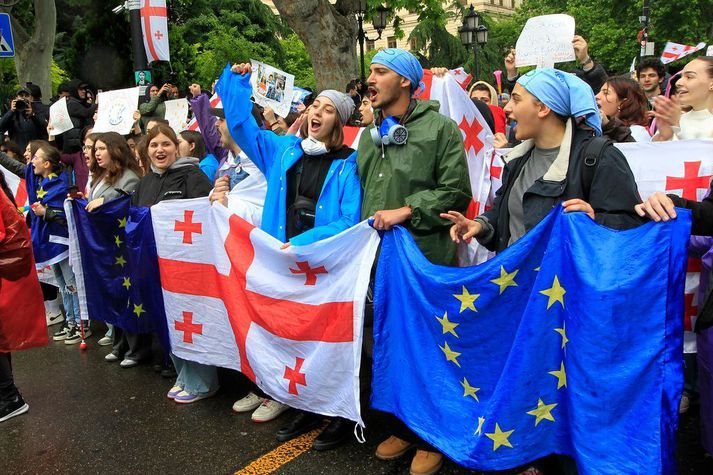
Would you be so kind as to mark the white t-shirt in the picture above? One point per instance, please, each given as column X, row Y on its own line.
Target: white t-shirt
column 640, row 133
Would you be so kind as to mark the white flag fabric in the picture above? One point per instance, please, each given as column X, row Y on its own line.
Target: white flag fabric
column 673, row 51
column 154, row 25
column 291, row 320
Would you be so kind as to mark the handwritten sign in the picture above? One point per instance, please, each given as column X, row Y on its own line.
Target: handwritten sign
column 272, row 87
column 177, row 114
column 116, row 110
column 59, row 117
column 545, row 40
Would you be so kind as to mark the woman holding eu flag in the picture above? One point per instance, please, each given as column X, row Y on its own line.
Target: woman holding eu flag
column 313, row 191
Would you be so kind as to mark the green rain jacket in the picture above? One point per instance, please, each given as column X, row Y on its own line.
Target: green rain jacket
column 429, row 173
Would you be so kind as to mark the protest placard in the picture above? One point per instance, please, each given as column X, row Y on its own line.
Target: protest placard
column 116, row 109
column 272, row 87
column 59, row 117
column 545, row 40
column 177, row 114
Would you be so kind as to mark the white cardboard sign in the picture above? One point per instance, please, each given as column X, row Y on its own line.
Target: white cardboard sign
column 545, row 40
column 59, row 117
column 177, row 114
column 116, row 110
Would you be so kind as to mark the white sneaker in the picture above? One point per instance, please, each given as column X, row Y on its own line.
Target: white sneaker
column 248, row 403
column 111, row 357
column 684, row 404
column 105, row 341
column 127, row 363
column 268, row 411
column 53, row 312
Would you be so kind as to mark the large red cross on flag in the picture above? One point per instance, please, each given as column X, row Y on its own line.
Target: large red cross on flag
column 291, row 320
column 154, row 25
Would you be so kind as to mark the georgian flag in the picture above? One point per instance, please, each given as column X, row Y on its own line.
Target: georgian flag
column 17, row 187
column 291, row 320
column 154, row 25
column 673, row 51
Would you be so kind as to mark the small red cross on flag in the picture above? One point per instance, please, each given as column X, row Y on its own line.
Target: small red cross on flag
column 188, row 227
column 188, row 327
column 304, row 268
column 158, row 35
column 690, row 182
column 295, row 377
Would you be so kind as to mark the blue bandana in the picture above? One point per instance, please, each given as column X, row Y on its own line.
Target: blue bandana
column 564, row 93
column 401, row 62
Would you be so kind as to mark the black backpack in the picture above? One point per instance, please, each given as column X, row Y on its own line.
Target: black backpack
column 591, row 154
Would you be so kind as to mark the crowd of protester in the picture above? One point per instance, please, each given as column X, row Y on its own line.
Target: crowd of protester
column 302, row 183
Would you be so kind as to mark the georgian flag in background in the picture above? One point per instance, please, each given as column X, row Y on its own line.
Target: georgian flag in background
column 673, row 51
column 154, row 25
column 215, row 102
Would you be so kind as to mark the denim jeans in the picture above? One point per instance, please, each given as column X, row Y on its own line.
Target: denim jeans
column 68, row 289
column 195, row 378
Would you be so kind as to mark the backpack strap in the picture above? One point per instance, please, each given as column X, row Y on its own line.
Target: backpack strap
column 591, row 154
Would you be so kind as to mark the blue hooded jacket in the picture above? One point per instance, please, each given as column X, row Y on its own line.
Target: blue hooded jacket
column 339, row 204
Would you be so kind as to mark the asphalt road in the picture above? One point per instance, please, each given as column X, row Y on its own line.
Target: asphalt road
column 89, row 416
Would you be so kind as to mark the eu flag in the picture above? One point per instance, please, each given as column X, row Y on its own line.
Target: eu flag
column 113, row 255
column 568, row 342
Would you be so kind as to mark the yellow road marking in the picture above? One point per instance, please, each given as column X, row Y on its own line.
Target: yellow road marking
column 280, row 456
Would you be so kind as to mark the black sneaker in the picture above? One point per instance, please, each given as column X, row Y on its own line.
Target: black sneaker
column 10, row 409
column 301, row 423
column 74, row 336
column 62, row 334
column 337, row 433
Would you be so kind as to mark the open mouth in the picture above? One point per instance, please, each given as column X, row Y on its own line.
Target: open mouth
column 315, row 125
column 372, row 93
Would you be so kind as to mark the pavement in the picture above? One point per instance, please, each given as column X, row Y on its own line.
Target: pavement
column 90, row 416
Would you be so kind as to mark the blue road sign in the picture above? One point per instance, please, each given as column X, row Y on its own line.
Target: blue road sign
column 7, row 44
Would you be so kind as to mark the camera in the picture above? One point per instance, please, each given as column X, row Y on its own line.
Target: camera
column 22, row 104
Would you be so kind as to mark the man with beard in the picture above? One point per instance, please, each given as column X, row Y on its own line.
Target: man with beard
column 412, row 166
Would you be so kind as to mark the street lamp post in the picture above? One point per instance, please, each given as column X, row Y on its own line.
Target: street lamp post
column 473, row 34
column 379, row 21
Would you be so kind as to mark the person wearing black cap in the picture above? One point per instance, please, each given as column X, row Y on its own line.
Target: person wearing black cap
column 21, row 122
column 80, row 112
column 42, row 110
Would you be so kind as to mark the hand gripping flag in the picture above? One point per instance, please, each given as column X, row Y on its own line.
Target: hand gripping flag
column 154, row 25
column 291, row 320
column 113, row 255
column 563, row 343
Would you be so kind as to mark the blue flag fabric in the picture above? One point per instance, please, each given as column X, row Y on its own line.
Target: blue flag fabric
column 49, row 238
column 113, row 255
column 568, row 342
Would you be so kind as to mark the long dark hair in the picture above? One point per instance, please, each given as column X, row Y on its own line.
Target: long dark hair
column 6, row 188
column 196, row 139
column 633, row 101
column 121, row 159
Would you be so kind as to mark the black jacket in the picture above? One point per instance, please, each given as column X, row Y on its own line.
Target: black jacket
column 23, row 129
column 184, row 179
column 595, row 77
column 82, row 115
column 613, row 192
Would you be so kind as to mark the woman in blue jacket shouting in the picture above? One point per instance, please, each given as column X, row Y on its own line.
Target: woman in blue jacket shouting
column 313, row 191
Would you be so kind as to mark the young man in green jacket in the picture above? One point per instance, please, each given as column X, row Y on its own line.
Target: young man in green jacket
column 410, row 184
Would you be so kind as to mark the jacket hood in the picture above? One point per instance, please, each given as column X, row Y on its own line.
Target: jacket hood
column 181, row 162
column 493, row 92
column 73, row 87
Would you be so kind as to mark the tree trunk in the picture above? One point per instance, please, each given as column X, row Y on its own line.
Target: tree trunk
column 329, row 33
column 33, row 54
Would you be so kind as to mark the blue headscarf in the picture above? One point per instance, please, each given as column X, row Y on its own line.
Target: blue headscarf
column 401, row 62
column 564, row 93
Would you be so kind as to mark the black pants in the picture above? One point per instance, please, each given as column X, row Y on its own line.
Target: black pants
column 8, row 391
column 49, row 292
column 131, row 346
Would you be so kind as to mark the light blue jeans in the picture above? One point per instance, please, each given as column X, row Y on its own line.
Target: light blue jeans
column 68, row 289
column 195, row 378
